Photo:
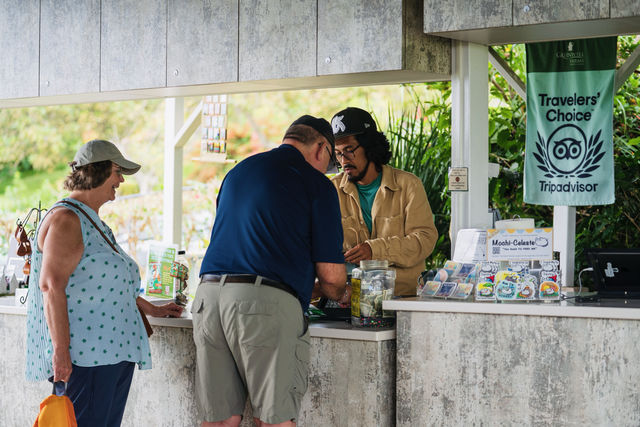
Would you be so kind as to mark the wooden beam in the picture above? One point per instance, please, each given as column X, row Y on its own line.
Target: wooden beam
column 187, row 129
column 627, row 68
column 507, row 72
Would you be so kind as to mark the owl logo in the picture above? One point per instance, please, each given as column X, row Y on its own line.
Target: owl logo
column 568, row 152
column 565, row 146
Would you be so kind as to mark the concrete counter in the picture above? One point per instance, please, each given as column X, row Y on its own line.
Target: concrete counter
column 517, row 308
column 468, row 363
column 351, row 376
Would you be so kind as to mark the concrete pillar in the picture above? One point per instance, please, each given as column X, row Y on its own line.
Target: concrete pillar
column 470, row 135
column 564, row 240
column 172, row 193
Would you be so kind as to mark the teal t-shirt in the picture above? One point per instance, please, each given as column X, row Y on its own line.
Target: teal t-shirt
column 367, row 194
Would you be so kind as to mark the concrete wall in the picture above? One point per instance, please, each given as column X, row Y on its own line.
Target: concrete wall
column 511, row 21
column 98, row 50
column 351, row 384
column 479, row 369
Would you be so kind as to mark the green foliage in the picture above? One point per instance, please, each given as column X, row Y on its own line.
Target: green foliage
column 618, row 225
column 42, row 138
column 507, row 137
column 421, row 144
column 30, row 187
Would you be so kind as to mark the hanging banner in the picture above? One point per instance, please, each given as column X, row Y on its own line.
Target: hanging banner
column 569, row 150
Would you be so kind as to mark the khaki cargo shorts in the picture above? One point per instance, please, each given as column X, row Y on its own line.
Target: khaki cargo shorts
column 250, row 340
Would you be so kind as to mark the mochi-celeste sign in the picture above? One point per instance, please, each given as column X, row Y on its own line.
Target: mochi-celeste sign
column 520, row 244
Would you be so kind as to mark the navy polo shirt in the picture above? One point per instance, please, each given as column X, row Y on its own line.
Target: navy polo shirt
column 276, row 217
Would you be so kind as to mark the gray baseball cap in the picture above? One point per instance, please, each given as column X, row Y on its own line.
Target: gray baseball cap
column 99, row 150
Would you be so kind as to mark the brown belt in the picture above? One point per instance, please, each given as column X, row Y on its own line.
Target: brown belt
column 248, row 278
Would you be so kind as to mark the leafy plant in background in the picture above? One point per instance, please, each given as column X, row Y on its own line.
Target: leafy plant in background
column 507, row 137
column 421, row 144
column 618, row 225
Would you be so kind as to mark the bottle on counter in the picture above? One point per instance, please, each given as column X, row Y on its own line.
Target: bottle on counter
column 356, row 276
column 180, row 274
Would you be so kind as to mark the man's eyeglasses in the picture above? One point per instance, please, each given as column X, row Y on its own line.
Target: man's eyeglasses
column 333, row 166
column 329, row 152
column 347, row 153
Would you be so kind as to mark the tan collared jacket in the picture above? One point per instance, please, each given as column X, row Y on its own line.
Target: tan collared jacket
column 402, row 229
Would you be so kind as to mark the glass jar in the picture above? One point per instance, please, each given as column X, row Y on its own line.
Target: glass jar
column 372, row 283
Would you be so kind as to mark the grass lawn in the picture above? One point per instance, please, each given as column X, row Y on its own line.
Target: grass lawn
column 23, row 190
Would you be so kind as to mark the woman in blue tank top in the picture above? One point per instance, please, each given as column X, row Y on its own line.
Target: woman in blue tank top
column 83, row 324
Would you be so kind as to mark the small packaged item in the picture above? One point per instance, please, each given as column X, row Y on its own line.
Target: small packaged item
column 488, row 270
column 551, row 265
column 548, row 275
column 506, row 288
column 441, row 275
column 446, row 289
column 430, row 288
column 462, row 273
column 521, row 267
column 485, row 291
column 462, row 291
column 503, row 274
column 527, row 288
column 549, row 290
column 452, row 267
column 489, row 267
column 549, row 280
column 473, row 275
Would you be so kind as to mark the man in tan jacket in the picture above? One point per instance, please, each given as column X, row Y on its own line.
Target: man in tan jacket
column 385, row 211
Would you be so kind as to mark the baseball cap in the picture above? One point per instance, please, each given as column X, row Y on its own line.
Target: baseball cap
column 99, row 150
column 352, row 121
column 323, row 128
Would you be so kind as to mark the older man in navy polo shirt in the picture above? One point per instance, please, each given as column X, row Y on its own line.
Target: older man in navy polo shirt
column 277, row 229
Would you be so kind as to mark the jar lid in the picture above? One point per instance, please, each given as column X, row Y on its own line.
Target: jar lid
column 377, row 264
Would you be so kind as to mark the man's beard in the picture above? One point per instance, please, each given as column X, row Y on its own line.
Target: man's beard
column 361, row 175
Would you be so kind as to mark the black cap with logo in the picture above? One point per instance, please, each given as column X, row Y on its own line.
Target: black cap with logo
column 352, row 121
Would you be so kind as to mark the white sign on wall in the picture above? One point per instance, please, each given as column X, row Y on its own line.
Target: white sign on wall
column 523, row 244
column 458, row 179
